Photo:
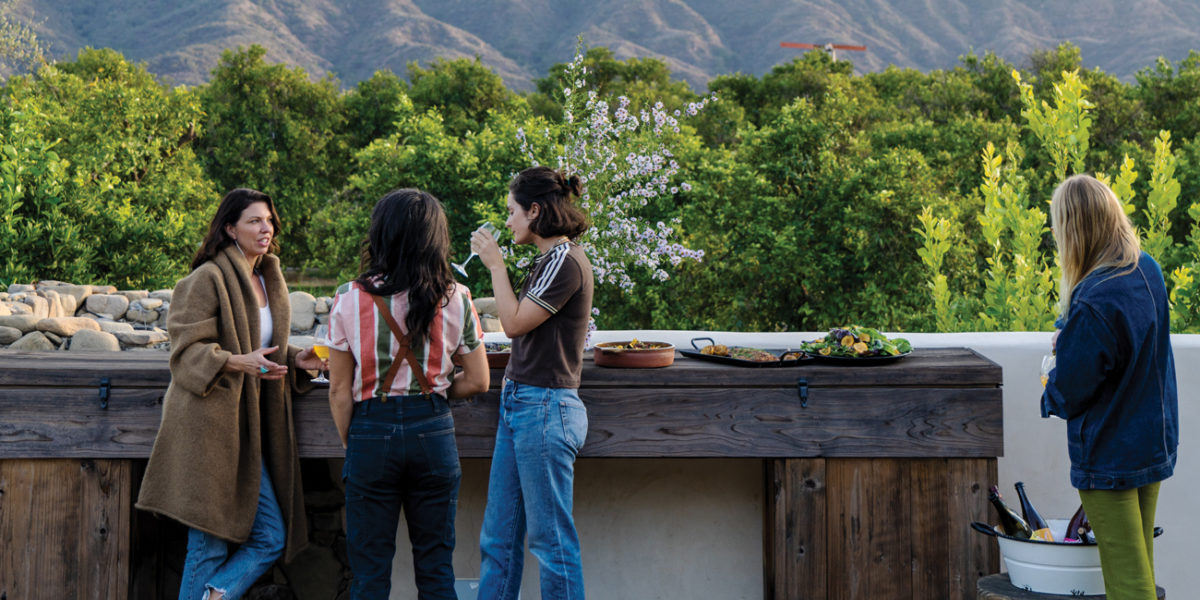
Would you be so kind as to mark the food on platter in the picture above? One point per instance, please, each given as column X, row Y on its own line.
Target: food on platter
column 634, row 344
column 751, row 354
column 791, row 355
column 856, row 342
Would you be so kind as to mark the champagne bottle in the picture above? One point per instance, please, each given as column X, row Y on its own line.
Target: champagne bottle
column 1079, row 529
column 1041, row 529
column 1010, row 522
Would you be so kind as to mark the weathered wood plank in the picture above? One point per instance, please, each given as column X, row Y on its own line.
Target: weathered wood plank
column 926, row 367
column 929, row 505
column 650, row 422
column 795, row 530
column 105, row 513
column 972, row 555
column 72, row 537
column 771, row 423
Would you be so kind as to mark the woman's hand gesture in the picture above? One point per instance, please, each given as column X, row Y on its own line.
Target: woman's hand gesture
column 256, row 364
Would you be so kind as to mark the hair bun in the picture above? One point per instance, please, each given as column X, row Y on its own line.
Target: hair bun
column 573, row 184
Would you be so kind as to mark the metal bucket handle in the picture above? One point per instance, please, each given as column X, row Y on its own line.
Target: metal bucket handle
column 984, row 529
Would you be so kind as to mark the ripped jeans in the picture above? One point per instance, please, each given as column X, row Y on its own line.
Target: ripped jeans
column 210, row 566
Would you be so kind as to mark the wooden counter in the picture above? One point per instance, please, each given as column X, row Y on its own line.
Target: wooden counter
column 873, row 474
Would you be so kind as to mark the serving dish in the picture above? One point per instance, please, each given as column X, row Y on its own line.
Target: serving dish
column 634, row 354
column 780, row 358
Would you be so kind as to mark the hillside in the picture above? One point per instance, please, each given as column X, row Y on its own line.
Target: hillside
column 699, row 39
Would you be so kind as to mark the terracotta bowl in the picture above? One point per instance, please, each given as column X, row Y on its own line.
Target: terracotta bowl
column 611, row 354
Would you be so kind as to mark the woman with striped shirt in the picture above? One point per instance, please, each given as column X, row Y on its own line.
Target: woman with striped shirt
column 393, row 334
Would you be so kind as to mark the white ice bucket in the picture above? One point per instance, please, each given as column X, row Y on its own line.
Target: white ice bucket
column 1053, row 567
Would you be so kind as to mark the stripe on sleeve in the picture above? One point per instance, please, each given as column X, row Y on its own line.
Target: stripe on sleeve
column 554, row 263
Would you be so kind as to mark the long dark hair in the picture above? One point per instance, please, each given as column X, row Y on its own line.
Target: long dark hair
column 552, row 191
column 408, row 250
column 228, row 213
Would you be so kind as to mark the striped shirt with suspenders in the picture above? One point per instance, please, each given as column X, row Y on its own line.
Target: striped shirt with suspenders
column 368, row 327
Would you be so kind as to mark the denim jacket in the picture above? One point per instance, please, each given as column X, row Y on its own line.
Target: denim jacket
column 1114, row 381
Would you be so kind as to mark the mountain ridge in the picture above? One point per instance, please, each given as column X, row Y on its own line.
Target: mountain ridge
column 521, row 39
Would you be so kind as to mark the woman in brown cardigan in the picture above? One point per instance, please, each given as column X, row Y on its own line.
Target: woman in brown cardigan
column 225, row 462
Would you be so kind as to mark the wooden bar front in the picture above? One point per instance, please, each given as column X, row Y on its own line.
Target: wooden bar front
column 873, row 474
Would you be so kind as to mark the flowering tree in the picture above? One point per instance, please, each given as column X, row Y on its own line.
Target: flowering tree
column 625, row 161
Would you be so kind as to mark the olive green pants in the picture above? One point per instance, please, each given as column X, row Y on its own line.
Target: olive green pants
column 1123, row 521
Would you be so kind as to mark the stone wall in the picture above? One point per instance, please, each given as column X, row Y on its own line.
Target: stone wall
column 52, row 315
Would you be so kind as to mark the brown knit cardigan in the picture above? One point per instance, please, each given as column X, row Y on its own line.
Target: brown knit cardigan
column 217, row 428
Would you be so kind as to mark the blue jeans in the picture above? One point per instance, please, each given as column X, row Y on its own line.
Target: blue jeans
column 401, row 456
column 209, row 566
column 541, row 430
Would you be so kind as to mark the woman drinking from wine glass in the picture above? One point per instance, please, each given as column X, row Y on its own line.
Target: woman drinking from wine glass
column 1114, row 379
column 393, row 334
column 225, row 462
column 542, row 422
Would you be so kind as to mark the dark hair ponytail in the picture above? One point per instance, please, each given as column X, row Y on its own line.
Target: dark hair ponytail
column 553, row 192
column 408, row 250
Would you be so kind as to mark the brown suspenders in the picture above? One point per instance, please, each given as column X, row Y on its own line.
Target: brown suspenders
column 404, row 354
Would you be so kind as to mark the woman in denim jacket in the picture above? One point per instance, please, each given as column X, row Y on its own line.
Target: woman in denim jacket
column 1115, row 379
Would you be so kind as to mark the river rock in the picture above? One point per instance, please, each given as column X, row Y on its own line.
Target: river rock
column 33, row 341
column 54, row 338
column 94, row 341
column 9, row 335
column 304, row 307
column 78, row 292
column 113, row 305
column 54, row 308
column 140, row 314
column 149, row 303
column 133, row 294
column 41, row 308
column 104, row 289
column 164, row 295
column 486, row 306
column 20, row 288
column 5, row 310
column 67, row 326
column 19, row 308
column 115, row 327
column 141, row 337
column 490, row 324
column 323, row 305
column 24, row 322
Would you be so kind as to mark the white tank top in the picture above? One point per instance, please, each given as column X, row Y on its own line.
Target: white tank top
column 265, row 324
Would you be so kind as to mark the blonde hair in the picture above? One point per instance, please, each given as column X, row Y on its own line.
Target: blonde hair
column 1091, row 231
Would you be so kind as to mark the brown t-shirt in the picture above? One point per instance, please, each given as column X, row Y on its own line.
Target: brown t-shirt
column 551, row 355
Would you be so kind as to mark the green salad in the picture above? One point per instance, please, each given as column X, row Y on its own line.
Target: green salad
column 856, row 342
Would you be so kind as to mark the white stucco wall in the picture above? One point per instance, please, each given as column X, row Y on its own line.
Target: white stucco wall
column 691, row 528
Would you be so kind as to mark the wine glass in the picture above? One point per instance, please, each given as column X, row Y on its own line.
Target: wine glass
column 321, row 349
column 1048, row 362
column 462, row 267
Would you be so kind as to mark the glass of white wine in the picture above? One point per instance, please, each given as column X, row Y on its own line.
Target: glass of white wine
column 462, row 267
column 1048, row 362
column 321, row 349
